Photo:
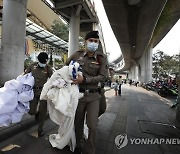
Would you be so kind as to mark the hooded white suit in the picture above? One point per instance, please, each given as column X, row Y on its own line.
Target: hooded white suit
column 62, row 98
column 14, row 99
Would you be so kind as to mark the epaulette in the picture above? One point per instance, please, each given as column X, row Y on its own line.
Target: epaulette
column 78, row 52
column 34, row 63
column 100, row 54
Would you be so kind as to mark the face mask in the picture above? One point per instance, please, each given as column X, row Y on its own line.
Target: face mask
column 41, row 64
column 92, row 46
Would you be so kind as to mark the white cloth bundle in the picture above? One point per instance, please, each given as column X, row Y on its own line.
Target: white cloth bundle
column 14, row 99
column 62, row 98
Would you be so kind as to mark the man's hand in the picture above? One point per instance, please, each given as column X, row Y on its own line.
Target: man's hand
column 79, row 79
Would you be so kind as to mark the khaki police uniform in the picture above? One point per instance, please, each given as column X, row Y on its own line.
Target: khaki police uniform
column 102, row 102
column 94, row 70
column 40, row 77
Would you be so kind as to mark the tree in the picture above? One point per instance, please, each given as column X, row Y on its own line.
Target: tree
column 61, row 30
column 175, row 64
column 28, row 61
column 81, row 43
column 164, row 65
column 157, row 63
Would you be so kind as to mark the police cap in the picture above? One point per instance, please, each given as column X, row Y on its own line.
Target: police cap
column 92, row 34
column 43, row 57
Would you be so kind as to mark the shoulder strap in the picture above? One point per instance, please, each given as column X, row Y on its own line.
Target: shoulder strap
column 79, row 53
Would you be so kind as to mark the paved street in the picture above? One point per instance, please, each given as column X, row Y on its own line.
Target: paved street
column 138, row 114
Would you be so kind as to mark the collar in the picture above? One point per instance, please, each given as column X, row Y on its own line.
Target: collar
column 94, row 56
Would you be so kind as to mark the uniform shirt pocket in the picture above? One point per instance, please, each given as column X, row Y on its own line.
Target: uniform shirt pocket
column 94, row 69
column 81, row 62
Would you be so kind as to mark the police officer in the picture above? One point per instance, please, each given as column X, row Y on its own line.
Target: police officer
column 94, row 69
column 41, row 72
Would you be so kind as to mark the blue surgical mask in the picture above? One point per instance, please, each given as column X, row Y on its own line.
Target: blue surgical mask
column 41, row 64
column 92, row 46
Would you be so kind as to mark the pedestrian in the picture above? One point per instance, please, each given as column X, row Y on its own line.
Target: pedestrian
column 41, row 72
column 136, row 83
column 116, row 87
column 130, row 82
column 94, row 70
column 120, row 83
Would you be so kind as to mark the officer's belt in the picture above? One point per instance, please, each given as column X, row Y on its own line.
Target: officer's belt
column 88, row 90
column 37, row 87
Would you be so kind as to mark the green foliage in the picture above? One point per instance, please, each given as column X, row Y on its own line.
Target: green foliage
column 164, row 65
column 60, row 29
column 27, row 62
column 58, row 63
column 81, row 43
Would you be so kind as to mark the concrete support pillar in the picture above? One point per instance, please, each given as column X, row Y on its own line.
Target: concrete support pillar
column 74, row 30
column 149, row 64
column 131, row 74
column 142, row 63
column 134, row 72
column 146, row 66
column 13, row 39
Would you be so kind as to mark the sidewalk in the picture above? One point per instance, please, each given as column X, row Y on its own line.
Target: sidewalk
column 138, row 113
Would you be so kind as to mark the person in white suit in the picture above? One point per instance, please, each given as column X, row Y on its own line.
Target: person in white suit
column 62, row 99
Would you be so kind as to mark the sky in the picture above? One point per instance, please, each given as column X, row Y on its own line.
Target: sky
column 112, row 45
column 170, row 44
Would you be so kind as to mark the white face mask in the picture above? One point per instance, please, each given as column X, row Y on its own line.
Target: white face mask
column 92, row 46
column 41, row 64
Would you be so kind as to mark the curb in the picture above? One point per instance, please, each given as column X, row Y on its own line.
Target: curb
column 15, row 129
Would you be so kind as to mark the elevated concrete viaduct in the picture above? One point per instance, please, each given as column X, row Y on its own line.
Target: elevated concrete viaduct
column 139, row 25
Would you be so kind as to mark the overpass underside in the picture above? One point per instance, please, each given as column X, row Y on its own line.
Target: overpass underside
column 139, row 25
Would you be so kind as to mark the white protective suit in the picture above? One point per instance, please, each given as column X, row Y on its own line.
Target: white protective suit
column 14, row 99
column 62, row 98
